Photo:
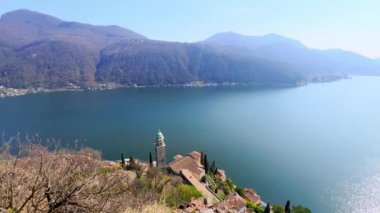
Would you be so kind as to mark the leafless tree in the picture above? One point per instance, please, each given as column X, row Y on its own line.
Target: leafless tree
column 45, row 178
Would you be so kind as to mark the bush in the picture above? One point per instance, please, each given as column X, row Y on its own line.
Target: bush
column 175, row 195
column 211, row 183
column 221, row 195
column 106, row 170
column 240, row 191
column 230, row 183
column 226, row 188
column 300, row 209
column 278, row 209
column 255, row 208
column 186, row 192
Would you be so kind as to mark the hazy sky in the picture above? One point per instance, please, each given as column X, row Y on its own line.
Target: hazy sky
column 347, row 24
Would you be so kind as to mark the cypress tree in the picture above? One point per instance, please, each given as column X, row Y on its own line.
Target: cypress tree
column 212, row 168
column 122, row 160
column 131, row 162
column 206, row 164
column 287, row 207
column 216, row 170
column 267, row 208
column 202, row 159
column 150, row 159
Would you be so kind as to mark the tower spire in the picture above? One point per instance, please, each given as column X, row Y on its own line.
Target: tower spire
column 160, row 150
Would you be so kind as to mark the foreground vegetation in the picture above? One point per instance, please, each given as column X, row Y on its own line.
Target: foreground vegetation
column 48, row 178
column 36, row 179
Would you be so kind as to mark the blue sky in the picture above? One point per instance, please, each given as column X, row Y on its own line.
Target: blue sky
column 348, row 24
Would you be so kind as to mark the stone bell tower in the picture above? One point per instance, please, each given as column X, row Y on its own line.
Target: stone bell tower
column 160, row 150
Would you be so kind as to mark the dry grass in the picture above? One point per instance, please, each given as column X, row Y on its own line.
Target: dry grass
column 152, row 208
column 36, row 179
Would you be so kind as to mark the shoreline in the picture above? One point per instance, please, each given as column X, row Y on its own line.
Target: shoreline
column 6, row 92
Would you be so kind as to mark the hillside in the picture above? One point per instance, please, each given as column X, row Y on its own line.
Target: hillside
column 148, row 62
column 38, row 50
column 301, row 59
column 69, row 181
column 50, row 178
column 23, row 27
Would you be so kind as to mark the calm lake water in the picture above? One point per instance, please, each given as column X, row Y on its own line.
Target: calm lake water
column 317, row 145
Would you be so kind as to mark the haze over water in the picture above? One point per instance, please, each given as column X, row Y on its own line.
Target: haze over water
column 317, row 145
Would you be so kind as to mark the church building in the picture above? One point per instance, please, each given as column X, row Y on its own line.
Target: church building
column 160, row 150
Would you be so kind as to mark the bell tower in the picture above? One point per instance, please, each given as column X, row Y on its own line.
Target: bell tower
column 160, row 150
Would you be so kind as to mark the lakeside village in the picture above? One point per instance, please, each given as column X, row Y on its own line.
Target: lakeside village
column 211, row 190
column 10, row 92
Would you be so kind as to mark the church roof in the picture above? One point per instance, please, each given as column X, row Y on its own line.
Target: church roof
column 231, row 202
column 188, row 163
column 252, row 196
column 196, row 155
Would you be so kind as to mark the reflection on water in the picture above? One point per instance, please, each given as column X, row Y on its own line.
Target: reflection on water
column 361, row 194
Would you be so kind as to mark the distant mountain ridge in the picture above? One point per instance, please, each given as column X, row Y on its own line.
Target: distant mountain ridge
column 38, row 50
column 22, row 27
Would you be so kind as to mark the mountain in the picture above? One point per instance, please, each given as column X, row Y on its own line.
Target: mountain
column 148, row 62
column 306, row 61
column 38, row 50
column 22, row 27
column 350, row 62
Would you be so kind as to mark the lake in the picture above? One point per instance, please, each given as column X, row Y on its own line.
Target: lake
column 316, row 145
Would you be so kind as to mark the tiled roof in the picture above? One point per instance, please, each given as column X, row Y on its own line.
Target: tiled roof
column 196, row 155
column 232, row 201
column 252, row 196
column 198, row 185
column 188, row 163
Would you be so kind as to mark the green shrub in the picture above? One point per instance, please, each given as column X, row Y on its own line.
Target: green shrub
column 255, row 208
column 221, row 195
column 106, row 170
column 230, row 183
column 211, row 183
column 186, row 192
column 240, row 191
column 300, row 209
column 278, row 209
column 226, row 188
column 177, row 195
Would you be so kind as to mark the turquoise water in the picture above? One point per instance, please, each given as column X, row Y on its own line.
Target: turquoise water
column 317, row 145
